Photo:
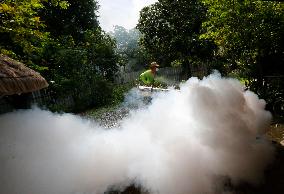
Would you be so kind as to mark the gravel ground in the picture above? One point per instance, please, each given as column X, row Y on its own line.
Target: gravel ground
column 113, row 118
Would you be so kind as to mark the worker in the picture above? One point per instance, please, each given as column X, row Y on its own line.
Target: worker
column 148, row 77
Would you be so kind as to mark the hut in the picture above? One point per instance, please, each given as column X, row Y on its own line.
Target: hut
column 17, row 82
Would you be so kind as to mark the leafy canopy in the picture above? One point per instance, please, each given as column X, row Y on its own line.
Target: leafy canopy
column 249, row 34
column 21, row 29
column 132, row 55
column 171, row 29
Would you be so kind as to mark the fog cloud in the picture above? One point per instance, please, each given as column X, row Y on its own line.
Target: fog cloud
column 182, row 143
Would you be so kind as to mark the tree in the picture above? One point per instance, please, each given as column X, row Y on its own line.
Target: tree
column 62, row 40
column 131, row 54
column 171, row 31
column 101, row 53
column 77, row 30
column 22, row 32
column 79, row 17
column 249, row 34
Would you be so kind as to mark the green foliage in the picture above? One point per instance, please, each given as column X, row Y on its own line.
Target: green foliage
column 250, row 39
column 132, row 55
column 100, row 49
column 117, row 98
column 63, row 41
column 82, row 71
column 78, row 18
column 176, row 63
column 119, row 92
column 249, row 34
column 171, row 32
column 22, row 32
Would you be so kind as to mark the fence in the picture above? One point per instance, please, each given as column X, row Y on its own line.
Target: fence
column 171, row 75
column 46, row 97
column 123, row 77
column 167, row 74
column 41, row 98
column 199, row 70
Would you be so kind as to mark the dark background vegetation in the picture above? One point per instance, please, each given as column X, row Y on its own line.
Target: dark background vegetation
column 63, row 40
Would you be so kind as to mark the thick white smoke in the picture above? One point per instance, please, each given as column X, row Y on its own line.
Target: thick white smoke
column 182, row 143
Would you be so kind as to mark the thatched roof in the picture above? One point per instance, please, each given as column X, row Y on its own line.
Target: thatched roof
column 16, row 78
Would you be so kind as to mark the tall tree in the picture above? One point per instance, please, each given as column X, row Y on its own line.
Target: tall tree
column 79, row 17
column 249, row 34
column 77, row 30
column 131, row 54
column 64, row 37
column 171, row 30
column 22, row 31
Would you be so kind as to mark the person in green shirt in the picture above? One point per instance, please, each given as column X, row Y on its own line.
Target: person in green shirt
column 148, row 77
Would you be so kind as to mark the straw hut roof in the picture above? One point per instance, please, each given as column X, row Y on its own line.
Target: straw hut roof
column 16, row 78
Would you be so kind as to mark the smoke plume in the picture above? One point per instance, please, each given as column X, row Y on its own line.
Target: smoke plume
column 182, row 143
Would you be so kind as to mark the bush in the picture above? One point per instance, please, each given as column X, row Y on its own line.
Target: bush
column 119, row 92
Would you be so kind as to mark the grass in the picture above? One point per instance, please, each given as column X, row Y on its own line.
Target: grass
column 117, row 98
